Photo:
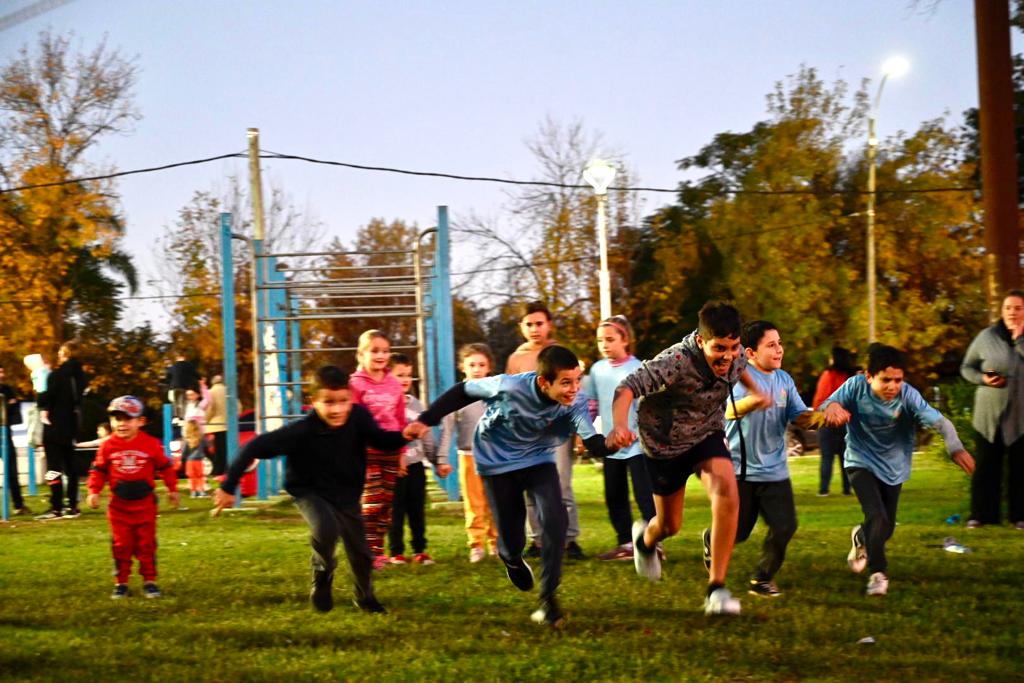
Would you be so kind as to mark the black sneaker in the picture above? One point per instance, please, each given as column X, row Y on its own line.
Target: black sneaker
column 150, row 590
column 533, row 551
column 320, row 594
column 705, row 539
column 520, row 575
column 120, row 591
column 50, row 514
column 549, row 613
column 72, row 513
column 370, row 605
column 766, row 588
column 573, row 551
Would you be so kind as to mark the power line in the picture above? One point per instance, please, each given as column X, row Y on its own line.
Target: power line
column 489, row 179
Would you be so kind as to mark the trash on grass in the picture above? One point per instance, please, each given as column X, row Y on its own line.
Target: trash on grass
column 950, row 545
column 866, row 640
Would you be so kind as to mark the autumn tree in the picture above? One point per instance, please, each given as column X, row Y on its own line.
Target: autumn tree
column 61, row 267
column 190, row 272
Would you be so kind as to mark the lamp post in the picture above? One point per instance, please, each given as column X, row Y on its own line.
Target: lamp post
column 599, row 174
column 895, row 67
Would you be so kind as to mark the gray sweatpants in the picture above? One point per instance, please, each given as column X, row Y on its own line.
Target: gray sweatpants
column 328, row 523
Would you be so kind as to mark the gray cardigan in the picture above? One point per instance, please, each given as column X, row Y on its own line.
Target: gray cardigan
column 1002, row 408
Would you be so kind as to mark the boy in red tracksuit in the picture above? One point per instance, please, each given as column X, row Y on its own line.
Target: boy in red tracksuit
column 131, row 460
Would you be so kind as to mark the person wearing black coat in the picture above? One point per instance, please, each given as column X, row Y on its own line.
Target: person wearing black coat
column 60, row 409
column 13, row 417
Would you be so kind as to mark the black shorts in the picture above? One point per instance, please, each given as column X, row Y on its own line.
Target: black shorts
column 670, row 474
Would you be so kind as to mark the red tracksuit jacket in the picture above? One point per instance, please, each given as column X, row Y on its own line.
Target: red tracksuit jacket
column 131, row 467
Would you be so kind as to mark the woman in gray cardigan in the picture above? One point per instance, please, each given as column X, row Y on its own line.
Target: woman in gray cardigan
column 995, row 362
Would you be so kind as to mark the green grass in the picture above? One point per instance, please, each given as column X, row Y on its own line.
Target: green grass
column 235, row 603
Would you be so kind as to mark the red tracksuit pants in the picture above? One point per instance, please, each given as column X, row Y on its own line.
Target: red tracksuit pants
column 134, row 531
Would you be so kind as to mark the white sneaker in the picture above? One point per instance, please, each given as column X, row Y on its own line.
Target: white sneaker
column 647, row 565
column 878, row 584
column 721, row 602
column 857, row 558
column 476, row 554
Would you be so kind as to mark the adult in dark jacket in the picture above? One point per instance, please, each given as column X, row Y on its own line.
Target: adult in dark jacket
column 59, row 409
column 995, row 362
column 181, row 376
column 10, row 399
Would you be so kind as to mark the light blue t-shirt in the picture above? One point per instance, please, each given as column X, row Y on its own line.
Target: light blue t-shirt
column 764, row 431
column 880, row 434
column 520, row 426
column 599, row 386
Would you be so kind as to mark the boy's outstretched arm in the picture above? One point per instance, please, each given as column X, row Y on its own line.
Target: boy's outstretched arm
column 620, row 436
column 448, row 402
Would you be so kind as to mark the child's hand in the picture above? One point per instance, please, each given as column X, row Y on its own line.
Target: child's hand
column 619, row 438
column 443, row 470
column 221, row 499
column 93, row 500
column 836, row 415
column 414, row 430
column 964, row 461
column 174, row 498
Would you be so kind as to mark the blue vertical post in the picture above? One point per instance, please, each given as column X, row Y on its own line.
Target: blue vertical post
column 166, row 416
column 443, row 327
column 5, row 456
column 31, row 467
column 227, row 319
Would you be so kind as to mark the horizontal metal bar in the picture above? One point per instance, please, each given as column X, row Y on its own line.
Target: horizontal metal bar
column 328, row 349
column 280, row 384
column 323, row 268
column 296, row 254
column 340, row 316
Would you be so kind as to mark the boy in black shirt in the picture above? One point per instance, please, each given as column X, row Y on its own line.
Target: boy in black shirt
column 325, row 469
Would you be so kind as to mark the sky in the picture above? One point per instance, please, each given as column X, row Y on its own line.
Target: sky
column 459, row 87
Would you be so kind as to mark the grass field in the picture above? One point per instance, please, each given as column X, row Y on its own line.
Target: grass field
column 235, row 603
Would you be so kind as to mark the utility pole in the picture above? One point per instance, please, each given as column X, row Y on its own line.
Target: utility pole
column 998, row 148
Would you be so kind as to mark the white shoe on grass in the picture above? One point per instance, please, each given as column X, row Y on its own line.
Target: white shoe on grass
column 648, row 565
column 721, row 602
column 878, row 584
column 857, row 558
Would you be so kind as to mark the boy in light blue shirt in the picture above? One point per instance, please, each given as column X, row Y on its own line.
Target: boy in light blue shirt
column 757, row 441
column 882, row 414
column 527, row 416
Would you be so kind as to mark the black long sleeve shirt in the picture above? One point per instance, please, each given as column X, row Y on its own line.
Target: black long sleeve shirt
column 330, row 463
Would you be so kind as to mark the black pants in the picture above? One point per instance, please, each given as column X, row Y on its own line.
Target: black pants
column 831, row 443
column 410, row 501
column 987, row 482
column 11, row 473
column 773, row 501
column 617, row 474
column 878, row 501
column 505, row 494
column 220, row 454
column 328, row 523
column 61, row 460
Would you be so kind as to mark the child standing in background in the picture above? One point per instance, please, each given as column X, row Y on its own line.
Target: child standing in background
column 130, row 461
column 372, row 385
column 614, row 341
column 411, row 488
column 193, row 451
column 476, row 361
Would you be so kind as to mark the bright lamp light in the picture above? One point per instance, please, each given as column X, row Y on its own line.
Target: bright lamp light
column 599, row 174
column 895, row 66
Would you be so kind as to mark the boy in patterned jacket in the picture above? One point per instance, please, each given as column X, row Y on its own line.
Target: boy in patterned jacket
column 681, row 424
column 130, row 461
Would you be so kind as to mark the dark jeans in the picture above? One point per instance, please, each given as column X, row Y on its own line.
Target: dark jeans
column 878, row 501
column 61, row 460
column 617, row 474
column 11, row 473
column 987, row 482
column 410, row 500
column 832, row 443
column 505, row 494
column 328, row 523
column 773, row 501
column 220, row 454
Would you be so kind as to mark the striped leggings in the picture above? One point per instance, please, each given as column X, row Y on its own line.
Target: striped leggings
column 378, row 494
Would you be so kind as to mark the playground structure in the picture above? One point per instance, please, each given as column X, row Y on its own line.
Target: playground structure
column 293, row 290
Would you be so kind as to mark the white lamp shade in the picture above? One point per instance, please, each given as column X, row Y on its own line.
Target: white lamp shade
column 895, row 66
column 599, row 174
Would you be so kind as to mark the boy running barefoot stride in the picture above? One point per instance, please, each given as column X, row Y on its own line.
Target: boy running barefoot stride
column 681, row 424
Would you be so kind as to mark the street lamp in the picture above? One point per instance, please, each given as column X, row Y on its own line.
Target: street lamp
column 599, row 174
column 895, row 67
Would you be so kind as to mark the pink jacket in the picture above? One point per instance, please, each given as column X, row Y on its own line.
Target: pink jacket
column 385, row 399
